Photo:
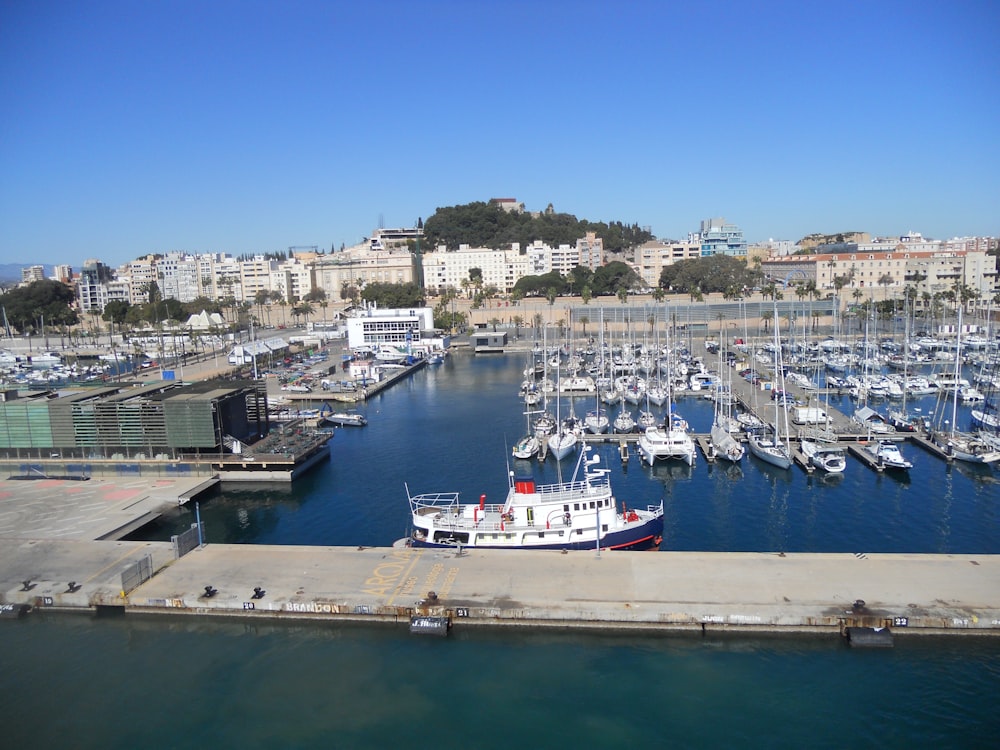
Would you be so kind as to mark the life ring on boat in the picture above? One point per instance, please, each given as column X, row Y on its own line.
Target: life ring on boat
column 567, row 518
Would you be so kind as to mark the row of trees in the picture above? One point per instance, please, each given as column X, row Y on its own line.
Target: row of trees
column 482, row 224
column 610, row 279
column 711, row 275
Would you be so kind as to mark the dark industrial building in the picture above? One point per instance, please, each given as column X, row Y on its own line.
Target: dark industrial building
column 165, row 420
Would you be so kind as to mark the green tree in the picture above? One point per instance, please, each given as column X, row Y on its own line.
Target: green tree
column 302, row 310
column 609, row 279
column 49, row 300
column 116, row 312
column 393, row 296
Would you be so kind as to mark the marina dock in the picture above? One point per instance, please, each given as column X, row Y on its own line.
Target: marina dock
column 745, row 592
column 61, row 548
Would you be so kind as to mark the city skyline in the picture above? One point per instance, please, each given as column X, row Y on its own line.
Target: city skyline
column 249, row 128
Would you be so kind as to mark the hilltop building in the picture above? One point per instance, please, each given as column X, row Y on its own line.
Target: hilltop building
column 32, row 273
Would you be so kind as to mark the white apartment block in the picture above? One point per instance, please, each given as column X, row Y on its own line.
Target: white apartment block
column 256, row 277
column 178, row 277
column 652, row 257
column 445, row 269
column 777, row 247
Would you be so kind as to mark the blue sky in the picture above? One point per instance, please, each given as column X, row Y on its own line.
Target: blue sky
column 136, row 127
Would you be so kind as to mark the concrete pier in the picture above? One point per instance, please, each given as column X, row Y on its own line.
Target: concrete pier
column 755, row 592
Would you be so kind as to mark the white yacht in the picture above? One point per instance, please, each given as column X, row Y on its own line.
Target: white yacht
column 887, row 454
column 826, row 458
column 660, row 443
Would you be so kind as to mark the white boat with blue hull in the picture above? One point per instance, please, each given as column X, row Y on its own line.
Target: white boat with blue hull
column 579, row 514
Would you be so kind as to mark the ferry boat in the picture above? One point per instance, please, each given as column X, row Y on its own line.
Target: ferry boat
column 579, row 514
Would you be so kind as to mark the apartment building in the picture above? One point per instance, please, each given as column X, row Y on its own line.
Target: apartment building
column 337, row 272
column 719, row 238
column 652, row 257
column 178, row 276
column 893, row 268
column 32, row 273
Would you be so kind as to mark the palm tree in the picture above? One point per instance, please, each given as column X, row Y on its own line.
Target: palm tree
column 584, row 320
column 280, row 299
column 518, row 322
column 303, row 309
column 95, row 313
column 260, row 299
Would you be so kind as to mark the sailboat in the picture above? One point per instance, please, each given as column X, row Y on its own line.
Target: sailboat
column 624, row 422
column 963, row 446
column 765, row 444
column 899, row 419
column 528, row 445
column 669, row 440
column 724, row 444
column 564, row 440
column 596, row 421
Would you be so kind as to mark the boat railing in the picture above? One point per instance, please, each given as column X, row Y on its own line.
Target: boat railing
column 552, row 492
column 435, row 501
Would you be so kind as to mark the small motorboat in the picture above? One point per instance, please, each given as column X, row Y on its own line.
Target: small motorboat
column 344, row 419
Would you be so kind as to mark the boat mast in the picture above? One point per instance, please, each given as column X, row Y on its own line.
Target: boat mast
column 958, row 373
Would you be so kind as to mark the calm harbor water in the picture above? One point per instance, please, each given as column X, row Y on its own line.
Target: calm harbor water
column 160, row 682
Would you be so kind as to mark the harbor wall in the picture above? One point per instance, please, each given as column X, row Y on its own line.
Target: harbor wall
column 668, row 591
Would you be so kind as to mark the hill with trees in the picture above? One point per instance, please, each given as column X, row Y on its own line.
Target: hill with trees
column 482, row 224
